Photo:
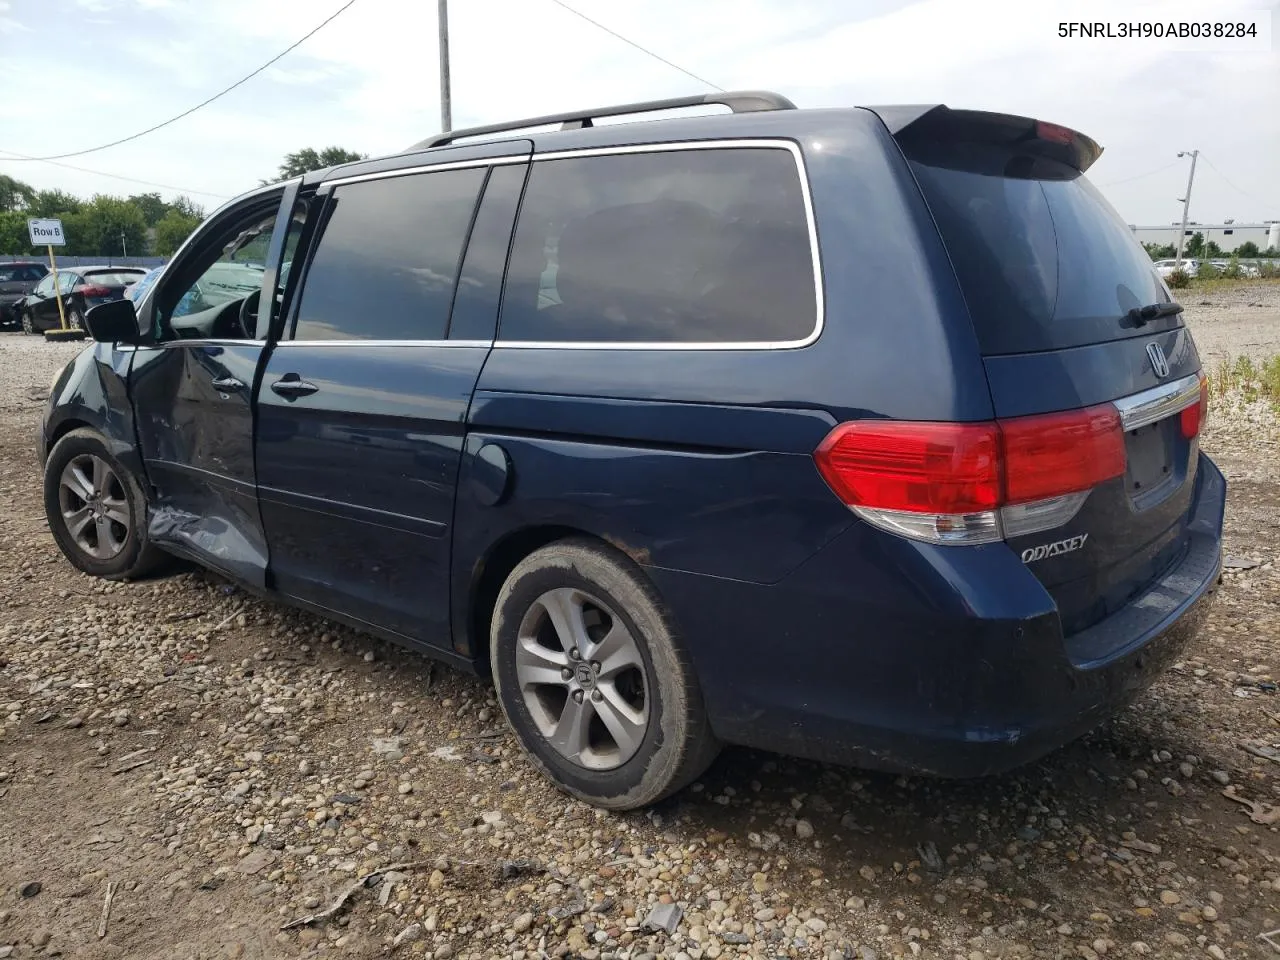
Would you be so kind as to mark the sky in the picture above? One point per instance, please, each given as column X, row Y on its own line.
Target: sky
column 78, row 73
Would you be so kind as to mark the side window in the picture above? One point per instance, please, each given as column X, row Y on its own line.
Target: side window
column 68, row 281
column 387, row 258
column 475, row 306
column 681, row 246
column 45, row 287
column 209, row 305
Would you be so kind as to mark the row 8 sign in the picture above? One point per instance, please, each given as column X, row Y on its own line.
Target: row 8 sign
column 46, row 233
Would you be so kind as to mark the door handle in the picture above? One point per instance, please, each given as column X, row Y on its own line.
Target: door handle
column 291, row 386
column 227, row 383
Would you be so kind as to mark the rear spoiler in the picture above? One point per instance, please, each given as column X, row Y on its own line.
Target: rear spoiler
column 937, row 122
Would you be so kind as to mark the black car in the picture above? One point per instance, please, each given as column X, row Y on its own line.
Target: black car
column 16, row 281
column 83, row 288
column 864, row 434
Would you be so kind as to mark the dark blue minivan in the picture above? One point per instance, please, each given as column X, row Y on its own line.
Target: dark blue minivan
column 868, row 435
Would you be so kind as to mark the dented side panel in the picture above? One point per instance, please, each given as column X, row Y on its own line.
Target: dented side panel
column 196, row 441
column 92, row 391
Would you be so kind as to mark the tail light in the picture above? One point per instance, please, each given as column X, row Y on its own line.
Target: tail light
column 1053, row 132
column 1193, row 417
column 1059, row 453
column 973, row 483
column 91, row 290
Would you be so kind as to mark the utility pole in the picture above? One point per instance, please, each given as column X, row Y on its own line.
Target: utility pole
column 446, row 99
column 124, row 244
column 1186, row 201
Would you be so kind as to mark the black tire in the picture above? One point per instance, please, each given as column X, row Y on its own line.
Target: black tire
column 678, row 743
column 27, row 325
column 75, row 319
column 136, row 556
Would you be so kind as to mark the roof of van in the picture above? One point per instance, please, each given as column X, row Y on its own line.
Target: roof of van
column 767, row 114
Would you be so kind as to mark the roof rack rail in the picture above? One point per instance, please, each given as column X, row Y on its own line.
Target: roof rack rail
column 742, row 101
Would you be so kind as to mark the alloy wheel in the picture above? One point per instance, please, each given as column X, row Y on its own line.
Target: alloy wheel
column 94, row 506
column 583, row 679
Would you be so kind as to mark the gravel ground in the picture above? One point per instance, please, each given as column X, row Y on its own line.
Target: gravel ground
column 225, row 765
column 1234, row 320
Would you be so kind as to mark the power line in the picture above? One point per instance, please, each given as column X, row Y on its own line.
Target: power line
column 630, row 42
column 203, row 103
column 1232, row 185
column 1140, row 176
column 114, row 176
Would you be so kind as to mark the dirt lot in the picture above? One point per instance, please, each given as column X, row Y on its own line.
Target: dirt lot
column 225, row 766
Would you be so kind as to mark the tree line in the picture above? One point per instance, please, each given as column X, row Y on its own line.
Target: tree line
column 1196, row 249
column 103, row 226
column 143, row 224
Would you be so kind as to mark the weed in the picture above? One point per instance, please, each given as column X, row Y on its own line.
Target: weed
column 1252, row 381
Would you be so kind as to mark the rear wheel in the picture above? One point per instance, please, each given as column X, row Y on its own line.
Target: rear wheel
column 75, row 319
column 592, row 678
column 96, row 509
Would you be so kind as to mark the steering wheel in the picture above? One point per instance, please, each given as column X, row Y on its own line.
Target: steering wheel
column 249, row 314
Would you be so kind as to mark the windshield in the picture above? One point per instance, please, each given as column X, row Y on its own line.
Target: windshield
column 225, row 281
column 1044, row 261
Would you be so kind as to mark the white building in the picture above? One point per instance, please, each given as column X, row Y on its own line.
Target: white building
column 1227, row 236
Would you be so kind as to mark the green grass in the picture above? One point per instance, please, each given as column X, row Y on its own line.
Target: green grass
column 1253, row 381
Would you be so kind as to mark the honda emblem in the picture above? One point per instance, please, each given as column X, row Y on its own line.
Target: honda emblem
column 1158, row 363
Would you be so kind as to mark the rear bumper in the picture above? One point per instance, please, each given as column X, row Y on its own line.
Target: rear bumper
column 889, row 654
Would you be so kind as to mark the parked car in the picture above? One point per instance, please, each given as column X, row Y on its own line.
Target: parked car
column 648, row 422
column 16, row 281
column 1166, row 267
column 82, row 289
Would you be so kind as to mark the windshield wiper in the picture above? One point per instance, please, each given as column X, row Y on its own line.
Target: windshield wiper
column 1152, row 311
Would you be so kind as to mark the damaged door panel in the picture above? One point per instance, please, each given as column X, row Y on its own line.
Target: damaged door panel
column 195, row 428
column 193, row 390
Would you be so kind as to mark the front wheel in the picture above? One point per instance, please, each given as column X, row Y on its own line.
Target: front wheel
column 27, row 325
column 96, row 509
column 593, row 680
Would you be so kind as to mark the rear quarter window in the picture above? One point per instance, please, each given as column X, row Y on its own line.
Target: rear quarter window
column 666, row 247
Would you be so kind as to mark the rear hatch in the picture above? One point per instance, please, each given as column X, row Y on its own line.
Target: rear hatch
column 1069, row 313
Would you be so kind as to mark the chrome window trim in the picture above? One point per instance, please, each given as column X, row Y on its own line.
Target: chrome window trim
column 1148, row 406
column 384, row 343
column 729, row 144
column 200, row 342
column 214, row 342
column 428, row 168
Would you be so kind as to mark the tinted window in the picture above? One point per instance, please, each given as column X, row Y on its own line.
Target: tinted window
column 682, row 246
column 475, row 307
column 1043, row 259
column 387, row 258
column 45, row 286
